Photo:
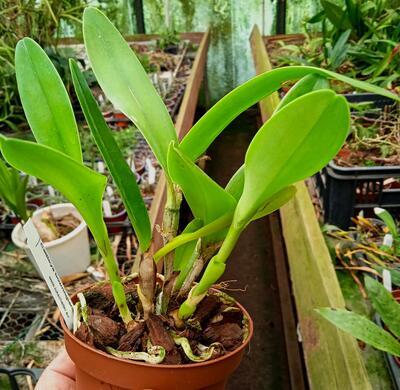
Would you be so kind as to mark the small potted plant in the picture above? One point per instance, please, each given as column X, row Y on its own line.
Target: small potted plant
column 167, row 331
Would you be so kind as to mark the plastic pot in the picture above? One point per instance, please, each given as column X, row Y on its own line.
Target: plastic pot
column 70, row 253
column 115, row 223
column 98, row 370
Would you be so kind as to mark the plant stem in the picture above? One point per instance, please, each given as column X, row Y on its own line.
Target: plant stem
column 169, row 230
column 116, row 284
column 213, row 272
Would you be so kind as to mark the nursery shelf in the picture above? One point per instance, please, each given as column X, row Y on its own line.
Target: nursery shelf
column 333, row 359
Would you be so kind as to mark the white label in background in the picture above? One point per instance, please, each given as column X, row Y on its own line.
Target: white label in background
column 107, row 208
column 388, row 240
column 49, row 273
column 151, row 171
column 100, row 167
column 110, row 192
column 51, row 191
column 387, row 280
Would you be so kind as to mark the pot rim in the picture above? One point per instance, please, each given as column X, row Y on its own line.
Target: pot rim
column 165, row 366
column 58, row 241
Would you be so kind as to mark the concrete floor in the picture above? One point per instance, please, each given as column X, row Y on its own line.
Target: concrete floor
column 252, row 265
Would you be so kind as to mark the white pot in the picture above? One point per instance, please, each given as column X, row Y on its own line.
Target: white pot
column 70, row 253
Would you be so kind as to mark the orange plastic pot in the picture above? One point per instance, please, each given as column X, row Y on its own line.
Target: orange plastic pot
column 97, row 370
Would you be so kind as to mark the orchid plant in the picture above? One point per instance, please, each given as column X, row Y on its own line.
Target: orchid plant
column 306, row 131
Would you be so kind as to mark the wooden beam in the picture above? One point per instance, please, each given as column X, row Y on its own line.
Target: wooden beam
column 332, row 357
column 183, row 124
column 194, row 37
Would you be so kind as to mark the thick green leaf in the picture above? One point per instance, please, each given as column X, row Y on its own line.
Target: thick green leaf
column 362, row 329
column 45, row 101
column 384, row 303
column 295, row 143
column 125, row 82
column 113, row 157
column 205, row 197
column 236, row 184
column 214, row 121
column 80, row 185
column 276, row 202
column 312, row 82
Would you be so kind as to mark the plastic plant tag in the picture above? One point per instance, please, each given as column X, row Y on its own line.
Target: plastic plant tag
column 110, row 192
column 107, row 208
column 151, row 171
column 49, row 273
column 100, row 167
column 387, row 280
column 388, row 240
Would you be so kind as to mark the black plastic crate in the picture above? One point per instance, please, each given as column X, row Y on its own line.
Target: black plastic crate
column 345, row 191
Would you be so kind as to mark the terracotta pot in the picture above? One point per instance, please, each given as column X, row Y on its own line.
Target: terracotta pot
column 97, row 370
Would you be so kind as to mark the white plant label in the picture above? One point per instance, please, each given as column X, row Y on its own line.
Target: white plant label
column 107, row 208
column 110, row 192
column 151, row 171
column 100, row 167
column 388, row 240
column 49, row 273
column 387, row 280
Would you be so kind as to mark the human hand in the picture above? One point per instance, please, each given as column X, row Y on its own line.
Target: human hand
column 59, row 375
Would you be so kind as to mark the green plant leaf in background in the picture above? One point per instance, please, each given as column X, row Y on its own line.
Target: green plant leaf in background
column 113, row 157
column 361, row 328
column 126, row 84
column 384, row 303
column 214, row 121
column 295, row 143
column 206, row 199
column 385, row 216
column 45, row 100
column 336, row 15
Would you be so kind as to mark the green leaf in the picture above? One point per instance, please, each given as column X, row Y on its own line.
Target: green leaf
column 214, row 121
column 336, row 15
column 362, row 329
column 295, row 143
column 236, row 184
column 80, row 185
column 276, row 202
column 385, row 216
column 312, row 82
column 113, row 157
column 125, row 82
column 45, row 101
column 339, row 50
column 206, row 199
column 384, row 303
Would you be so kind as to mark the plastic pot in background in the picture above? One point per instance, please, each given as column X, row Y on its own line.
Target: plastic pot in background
column 70, row 253
column 115, row 223
column 96, row 369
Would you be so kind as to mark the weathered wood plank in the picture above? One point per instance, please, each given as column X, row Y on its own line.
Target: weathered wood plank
column 183, row 124
column 194, row 37
column 333, row 359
